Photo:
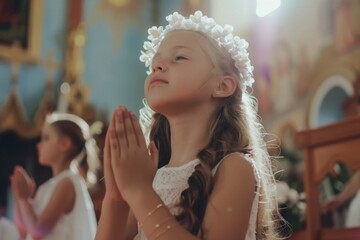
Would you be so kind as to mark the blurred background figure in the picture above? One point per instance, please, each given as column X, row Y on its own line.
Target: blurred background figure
column 63, row 202
column 8, row 231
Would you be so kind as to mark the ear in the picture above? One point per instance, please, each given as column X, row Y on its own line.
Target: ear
column 64, row 143
column 226, row 86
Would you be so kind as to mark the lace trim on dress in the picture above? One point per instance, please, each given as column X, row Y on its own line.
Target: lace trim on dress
column 169, row 182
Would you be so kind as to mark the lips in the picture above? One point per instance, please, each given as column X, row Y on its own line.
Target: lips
column 157, row 82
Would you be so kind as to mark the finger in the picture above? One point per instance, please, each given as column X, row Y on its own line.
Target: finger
column 154, row 153
column 130, row 131
column 20, row 175
column 138, row 132
column 21, row 170
column 108, row 174
column 107, row 154
column 17, row 174
column 111, row 126
column 17, row 169
column 16, row 179
column 120, row 129
column 32, row 185
column 114, row 150
column 110, row 132
column 24, row 174
column 112, row 122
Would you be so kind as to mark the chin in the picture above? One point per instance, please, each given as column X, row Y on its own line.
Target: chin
column 43, row 162
column 157, row 104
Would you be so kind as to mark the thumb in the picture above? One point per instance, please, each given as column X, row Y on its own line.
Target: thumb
column 154, row 153
column 22, row 172
column 32, row 185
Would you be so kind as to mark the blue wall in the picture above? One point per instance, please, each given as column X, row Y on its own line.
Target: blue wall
column 31, row 80
column 331, row 107
column 113, row 73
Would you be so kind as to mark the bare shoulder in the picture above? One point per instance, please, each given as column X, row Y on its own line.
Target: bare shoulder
column 65, row 184
column 234, row 176
column 235, row 165
column 65, row 193
column 228, row 210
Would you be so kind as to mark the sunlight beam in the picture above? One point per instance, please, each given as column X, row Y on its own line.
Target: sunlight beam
column 264, row 7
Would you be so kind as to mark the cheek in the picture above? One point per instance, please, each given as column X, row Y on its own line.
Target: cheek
column 38, row 146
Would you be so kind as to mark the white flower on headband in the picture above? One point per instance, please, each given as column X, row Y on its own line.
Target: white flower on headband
column 223, row 35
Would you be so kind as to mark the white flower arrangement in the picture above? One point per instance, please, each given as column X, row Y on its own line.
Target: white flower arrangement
column 223, row 35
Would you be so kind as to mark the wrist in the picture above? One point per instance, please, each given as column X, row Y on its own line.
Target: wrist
column 23, row 199
column 341, row 200
column 137, row 196
column 109, row 198
column 114, row 205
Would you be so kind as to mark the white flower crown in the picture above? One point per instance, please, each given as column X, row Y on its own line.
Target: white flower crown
column 60, row 116
column 90, row 150
column 223, row 35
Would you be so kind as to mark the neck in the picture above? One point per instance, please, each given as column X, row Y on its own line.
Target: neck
column 60, row 167
column 189, row 134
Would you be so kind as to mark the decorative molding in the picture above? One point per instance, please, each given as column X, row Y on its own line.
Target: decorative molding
column 33, row 52
column 13, row 116
column 76, row 99
column 330, row 63
column 326, row 86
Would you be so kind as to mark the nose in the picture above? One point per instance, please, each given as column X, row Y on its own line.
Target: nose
column 158, row 66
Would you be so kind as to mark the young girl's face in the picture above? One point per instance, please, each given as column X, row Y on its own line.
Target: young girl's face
column 183, row 75
column 48, row 147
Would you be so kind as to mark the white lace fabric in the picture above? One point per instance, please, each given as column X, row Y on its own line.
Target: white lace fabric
column 169, row 182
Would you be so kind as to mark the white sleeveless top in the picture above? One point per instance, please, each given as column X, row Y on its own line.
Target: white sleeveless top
column 80, row 223
column 353, row 213
column 8, row 231
column 169, row 182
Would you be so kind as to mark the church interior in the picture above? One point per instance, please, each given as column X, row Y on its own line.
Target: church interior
column 82, row 57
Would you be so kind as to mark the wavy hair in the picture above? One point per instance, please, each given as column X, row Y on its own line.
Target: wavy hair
column 233, row 127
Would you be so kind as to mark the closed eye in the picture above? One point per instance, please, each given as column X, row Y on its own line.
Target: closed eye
column 179, row 57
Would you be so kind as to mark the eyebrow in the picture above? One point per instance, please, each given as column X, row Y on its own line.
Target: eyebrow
column 181, row 46
column 176, row 48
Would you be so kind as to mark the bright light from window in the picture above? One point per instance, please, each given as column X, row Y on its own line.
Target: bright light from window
column 264, row 7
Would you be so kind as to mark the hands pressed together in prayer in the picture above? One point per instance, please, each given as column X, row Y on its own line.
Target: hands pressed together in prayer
column 129, row 166
column 22, row 185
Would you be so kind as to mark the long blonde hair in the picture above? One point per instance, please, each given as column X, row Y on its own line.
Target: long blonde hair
column 233, row 127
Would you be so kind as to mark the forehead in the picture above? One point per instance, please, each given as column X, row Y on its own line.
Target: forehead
column 184, row 38
column 48, row 128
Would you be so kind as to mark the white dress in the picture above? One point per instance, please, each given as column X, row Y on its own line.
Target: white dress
column 80, row 223
column 169, row 182
column 353, row 214
column 8, row 231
